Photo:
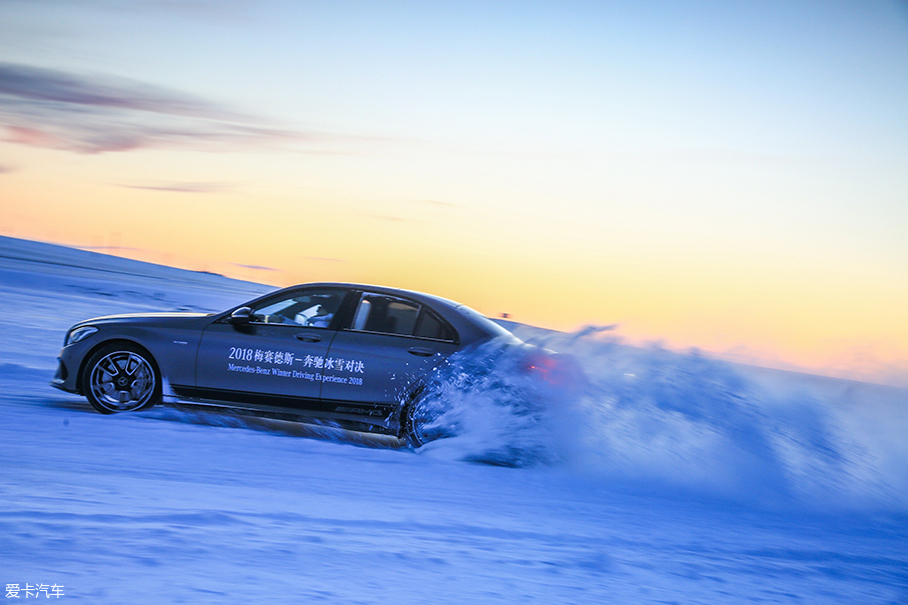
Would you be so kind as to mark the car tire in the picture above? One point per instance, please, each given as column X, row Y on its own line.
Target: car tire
column 121, row 377
column 418, row 418
column 411, row 431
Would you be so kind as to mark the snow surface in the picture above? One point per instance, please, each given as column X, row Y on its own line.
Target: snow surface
column 663, row 478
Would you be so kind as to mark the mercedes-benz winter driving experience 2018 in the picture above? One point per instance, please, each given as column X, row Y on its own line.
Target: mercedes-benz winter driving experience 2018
column 353, row 356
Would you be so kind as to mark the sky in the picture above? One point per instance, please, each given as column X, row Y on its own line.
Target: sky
column 726, row 176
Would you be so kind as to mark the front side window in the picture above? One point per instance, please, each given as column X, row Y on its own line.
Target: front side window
column 310, row 309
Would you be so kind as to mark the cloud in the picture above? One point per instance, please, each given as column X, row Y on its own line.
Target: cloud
column 229, row 11
column 256, row 267
column 50, row 108
column 321, row 259
column 325, row 259
column 6, row 169
column 437, row 203
column 115, row 248
column 181, row 187
column 45, row 85
column 387, row 217
column 29, row 136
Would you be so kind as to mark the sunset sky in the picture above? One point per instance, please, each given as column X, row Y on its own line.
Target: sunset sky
column 731, row 176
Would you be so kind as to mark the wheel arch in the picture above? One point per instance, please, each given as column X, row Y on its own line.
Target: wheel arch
column 105, row 343
column 408, row 400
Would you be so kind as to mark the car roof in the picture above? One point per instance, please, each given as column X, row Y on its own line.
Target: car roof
column 383, row 290
column 469, row 324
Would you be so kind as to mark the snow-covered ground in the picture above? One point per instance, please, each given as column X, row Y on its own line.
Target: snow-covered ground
column 667, row 478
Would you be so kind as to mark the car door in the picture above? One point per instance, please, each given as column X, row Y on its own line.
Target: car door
column 387, row 345
column 275, row 360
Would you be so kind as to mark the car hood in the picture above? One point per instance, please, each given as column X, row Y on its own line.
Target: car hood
column 144, row 318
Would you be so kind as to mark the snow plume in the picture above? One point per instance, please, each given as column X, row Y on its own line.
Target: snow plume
column 678, row 424
column 486, row 408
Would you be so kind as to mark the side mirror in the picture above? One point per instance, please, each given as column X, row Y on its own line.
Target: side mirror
column 243, row 315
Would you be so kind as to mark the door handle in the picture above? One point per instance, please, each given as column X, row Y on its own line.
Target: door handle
column 421, row 351
column 309, row 337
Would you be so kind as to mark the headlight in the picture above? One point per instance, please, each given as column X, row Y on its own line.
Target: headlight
column 78, row 334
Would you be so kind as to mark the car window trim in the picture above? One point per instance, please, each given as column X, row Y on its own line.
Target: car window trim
column 337, row 321
column 348, row 321
column 441, row 320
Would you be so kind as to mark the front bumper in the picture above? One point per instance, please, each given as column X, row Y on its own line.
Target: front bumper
column 64, row 379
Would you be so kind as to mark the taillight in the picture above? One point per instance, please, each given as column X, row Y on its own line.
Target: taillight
column 547, row 368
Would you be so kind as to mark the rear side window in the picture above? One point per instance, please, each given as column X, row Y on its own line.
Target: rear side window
column 429, row 326
column 385, row 314
column 391, row 315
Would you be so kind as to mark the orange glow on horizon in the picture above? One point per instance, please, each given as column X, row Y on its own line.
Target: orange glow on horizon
column 559, row 272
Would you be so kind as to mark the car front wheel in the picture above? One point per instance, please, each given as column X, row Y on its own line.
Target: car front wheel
column 121, row 377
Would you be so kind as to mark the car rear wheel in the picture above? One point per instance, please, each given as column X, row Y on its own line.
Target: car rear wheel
column 421, row 422
column 121, row 377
